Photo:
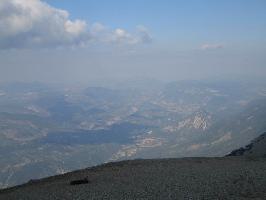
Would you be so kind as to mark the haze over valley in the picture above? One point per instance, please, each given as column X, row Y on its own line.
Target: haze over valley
column 47, row 130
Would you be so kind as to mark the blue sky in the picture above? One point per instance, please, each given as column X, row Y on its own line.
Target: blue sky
column 206, row 19
column 103, row 39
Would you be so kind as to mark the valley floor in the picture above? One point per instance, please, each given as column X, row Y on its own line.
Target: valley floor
column 186, row 178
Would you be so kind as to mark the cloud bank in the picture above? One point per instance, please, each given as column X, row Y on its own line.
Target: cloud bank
column 35, row 24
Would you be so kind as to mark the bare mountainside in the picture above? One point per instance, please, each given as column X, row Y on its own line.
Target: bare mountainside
column 231, row 177
column 188, row 178
column 257, row 148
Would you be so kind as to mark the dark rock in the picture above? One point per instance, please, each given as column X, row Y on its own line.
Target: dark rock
column 79, row 182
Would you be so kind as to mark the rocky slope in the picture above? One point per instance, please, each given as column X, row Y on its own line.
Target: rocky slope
column 257, row 148
column 231, row 177
column 188, row 178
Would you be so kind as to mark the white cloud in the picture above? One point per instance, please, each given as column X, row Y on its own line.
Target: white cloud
column 33, row 23
column 141, row 36
column 119, row 35
column 211, row 46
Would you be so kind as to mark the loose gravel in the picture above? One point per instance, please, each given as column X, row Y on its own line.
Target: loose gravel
column 187, row 178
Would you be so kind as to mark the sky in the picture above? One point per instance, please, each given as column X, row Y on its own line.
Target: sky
column 82, row 41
